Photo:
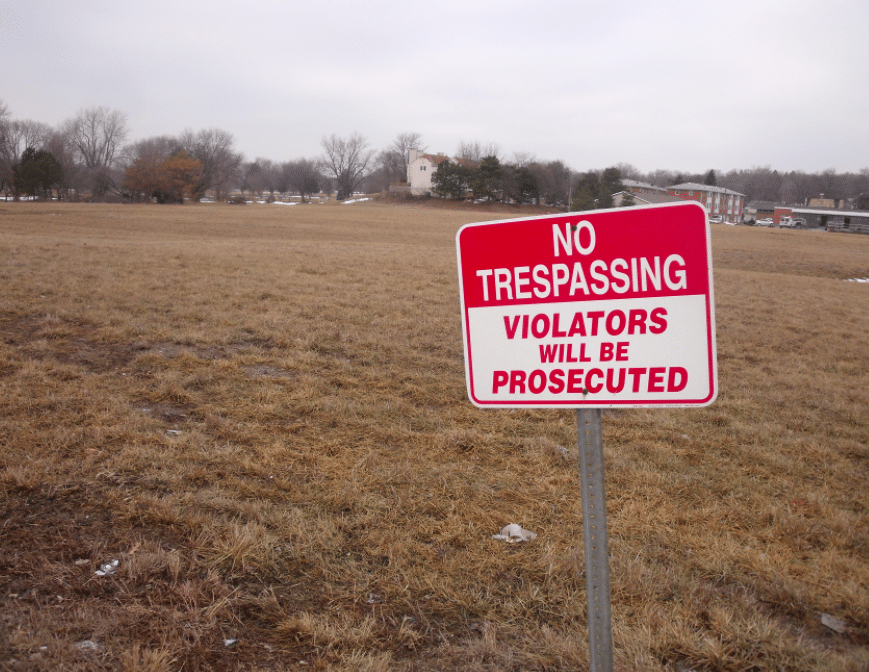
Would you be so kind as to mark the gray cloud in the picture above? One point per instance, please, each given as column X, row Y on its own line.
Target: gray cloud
column 682, row 85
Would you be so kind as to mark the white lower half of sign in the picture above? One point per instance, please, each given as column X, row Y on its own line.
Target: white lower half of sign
column 640, row 352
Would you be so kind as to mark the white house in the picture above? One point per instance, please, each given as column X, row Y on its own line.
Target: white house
column 420, row 169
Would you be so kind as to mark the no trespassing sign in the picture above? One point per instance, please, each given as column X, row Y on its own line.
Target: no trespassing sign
column 611, row 308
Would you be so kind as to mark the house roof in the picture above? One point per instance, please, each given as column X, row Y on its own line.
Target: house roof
column 434, row 159
column 467, row 163
column 642, row 185
column 650, row 199
column 438, row 159
column 797, row 210
column 659, row 198
column 696, row 186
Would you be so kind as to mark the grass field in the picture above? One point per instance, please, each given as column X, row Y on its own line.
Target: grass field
column 260, row 413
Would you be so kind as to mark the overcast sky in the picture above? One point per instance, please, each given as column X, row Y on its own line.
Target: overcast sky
column 667, row 84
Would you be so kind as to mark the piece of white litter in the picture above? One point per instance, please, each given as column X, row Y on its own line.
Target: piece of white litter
column 108, row 568
column 87, row 645
column 834, row 623
column 513, row 534
column 229, row 643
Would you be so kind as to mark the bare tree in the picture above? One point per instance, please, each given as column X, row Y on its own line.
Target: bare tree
column 5, row 169
column 74, row 173
column 26, row 133
column 273, row 176
column 221, row 164
column 663, row 178
column 629, row 172
column 261, row 175
column 833, row 185
column 252, row 180
column 523, row 159
column 96, row 134
column 476, row 151
column 393, row 161
column 553, row 180
column 347, row 160
column 303, row 176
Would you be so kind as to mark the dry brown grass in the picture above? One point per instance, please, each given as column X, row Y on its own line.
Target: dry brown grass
column 261, row 414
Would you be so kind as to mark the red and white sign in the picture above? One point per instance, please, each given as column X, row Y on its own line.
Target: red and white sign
column 611, row 308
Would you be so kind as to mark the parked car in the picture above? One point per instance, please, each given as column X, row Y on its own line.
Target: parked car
column 766, row 221
column 792, row 223
column 715, row 219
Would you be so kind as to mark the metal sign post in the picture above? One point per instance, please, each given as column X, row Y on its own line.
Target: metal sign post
column 590, row 310
column 594, row 529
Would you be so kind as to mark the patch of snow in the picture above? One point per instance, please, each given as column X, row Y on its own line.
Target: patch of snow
column 834, row 623
column 354, row 200
column 107, row 569
column 857, row 280
column 514, row 534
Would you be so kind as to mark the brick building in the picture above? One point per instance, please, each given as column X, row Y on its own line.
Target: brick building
column 719, row 202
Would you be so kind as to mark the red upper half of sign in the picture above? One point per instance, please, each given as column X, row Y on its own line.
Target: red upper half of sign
column 600, row 255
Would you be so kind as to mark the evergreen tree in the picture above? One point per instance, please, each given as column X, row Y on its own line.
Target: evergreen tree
column 595, row 191
column 525, row 186
column 586, row 191
column 610, row 184
column 486, row 178
column 37, row 173
column 710, row 178
column 451, row 180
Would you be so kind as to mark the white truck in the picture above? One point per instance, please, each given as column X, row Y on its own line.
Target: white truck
column 792, row 223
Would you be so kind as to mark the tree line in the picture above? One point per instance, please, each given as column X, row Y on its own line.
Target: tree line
column 88, row 156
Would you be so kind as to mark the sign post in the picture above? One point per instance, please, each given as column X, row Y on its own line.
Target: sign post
column 594, row 533
column 590, row 310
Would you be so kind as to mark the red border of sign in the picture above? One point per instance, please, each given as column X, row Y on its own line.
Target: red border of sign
column 712, row 362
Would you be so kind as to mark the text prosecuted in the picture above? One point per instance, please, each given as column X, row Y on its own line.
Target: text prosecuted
column 606, row 308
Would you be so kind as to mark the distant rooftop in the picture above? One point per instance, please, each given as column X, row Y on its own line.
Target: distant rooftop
column 696, row 186
column 641, row 185
column 796, row 209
